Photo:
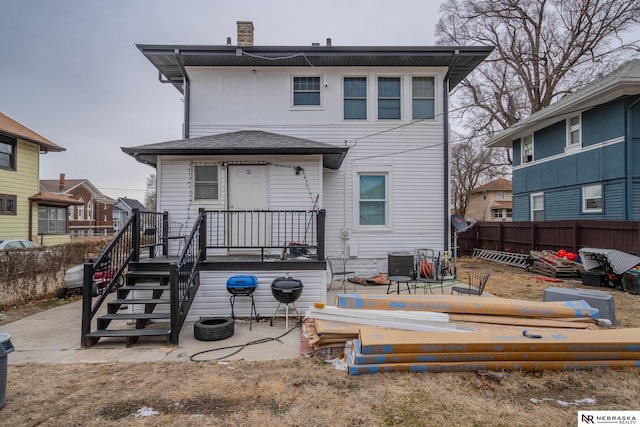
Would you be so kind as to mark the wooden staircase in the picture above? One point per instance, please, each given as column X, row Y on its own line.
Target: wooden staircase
column 143, row 287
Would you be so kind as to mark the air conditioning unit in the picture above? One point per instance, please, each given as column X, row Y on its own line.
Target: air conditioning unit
column 346, row 233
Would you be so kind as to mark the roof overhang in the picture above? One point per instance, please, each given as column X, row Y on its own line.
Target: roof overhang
column 240, row 143
column 623, row 82
column 169, row 59
column 52, row 199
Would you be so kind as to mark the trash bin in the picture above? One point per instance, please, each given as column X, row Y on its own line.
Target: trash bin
column 5, row 348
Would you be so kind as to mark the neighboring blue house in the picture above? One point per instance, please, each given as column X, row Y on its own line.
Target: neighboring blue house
column 122, row 209
column 579, row 158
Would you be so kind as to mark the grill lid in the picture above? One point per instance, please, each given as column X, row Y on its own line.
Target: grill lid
column 286, row 284
column 242, row 282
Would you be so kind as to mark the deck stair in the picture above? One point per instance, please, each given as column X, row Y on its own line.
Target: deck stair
column 508, row 258
column 146, row 290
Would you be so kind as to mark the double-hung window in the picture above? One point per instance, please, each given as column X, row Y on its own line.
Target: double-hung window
column 537, row 207
column 205, row 182
column 592, row 198
column 389, row 98
column 573, row 131
column 527, row 149
column 373, row 201
column 355, row 98
column 7, row 153
column 7, row 204
column 423, row 95
column 81, row 209
column 306, row 91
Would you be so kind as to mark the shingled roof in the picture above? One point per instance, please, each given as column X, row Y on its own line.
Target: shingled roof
column 11, row 128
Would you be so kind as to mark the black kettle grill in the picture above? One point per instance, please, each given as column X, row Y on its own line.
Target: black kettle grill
column 286, row 290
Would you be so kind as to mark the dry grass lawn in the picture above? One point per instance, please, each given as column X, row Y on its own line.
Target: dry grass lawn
column 310, row 392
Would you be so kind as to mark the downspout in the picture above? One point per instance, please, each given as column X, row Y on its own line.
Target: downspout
column 445, row 107
column 629, row 161
column 187, row 92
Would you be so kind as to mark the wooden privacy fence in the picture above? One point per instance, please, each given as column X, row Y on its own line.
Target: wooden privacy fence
column 522, row 237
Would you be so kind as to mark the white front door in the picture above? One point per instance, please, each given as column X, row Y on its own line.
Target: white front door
column 248, row 191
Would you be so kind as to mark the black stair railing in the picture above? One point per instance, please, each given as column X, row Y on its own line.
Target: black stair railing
column 138, row 232
column 184, row 278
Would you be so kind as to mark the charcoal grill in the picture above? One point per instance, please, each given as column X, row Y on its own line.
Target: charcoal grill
column 243, row 286
column 286, row 290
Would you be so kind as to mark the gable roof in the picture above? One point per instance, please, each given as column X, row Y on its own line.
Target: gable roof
column 131, row 203
column 499, row 184
column 53, row 186
column 243, row 142
column 11, row 128
column 623, row 81
column 171, row 60
column 44, row 197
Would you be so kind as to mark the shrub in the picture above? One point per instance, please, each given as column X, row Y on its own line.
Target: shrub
column 31, row 274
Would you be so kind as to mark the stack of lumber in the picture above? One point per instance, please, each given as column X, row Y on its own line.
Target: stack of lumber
column 445, row 316
column 382, row 350
column 548, row 264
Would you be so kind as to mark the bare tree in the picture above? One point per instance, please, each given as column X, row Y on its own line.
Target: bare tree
column 150, row 193
column 544, row 49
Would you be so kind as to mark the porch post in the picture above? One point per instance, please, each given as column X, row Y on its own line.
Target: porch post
column 87, row 294
column 320, row 223
column 135, row 234
column 202, row 236
column 175, row 304
column 165, row 233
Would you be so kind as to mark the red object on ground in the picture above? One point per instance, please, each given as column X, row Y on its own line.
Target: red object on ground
column 561, row 253
column 571, row 256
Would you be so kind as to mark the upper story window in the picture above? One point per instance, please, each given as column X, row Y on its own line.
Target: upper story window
column 373, row 199
column 71, row 209
column 7, row 153
column 574, row 131
column 355, row 98
column 389, row 98
column 592, row 198
column 423, row 94
column 306, row 91
column 205, row 185
column 90, row 210
column 8, row 204
column 527, row 149
column 81, row 209
column 500, row 195
column 537, row 207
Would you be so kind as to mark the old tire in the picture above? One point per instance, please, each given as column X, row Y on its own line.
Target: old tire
column 62, row 293
column 213, row 328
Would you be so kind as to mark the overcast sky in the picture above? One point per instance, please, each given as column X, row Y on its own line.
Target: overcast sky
column 71, row 72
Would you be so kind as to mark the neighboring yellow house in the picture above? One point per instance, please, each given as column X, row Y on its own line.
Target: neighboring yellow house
column 491, row 201
column 26, row 213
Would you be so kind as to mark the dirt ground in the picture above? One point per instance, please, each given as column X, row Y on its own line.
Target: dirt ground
column 309, row 391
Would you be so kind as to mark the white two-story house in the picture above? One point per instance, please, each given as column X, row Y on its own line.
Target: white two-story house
column 360, row 134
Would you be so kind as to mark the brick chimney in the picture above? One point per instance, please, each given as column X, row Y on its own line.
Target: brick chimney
column 245, row 33
column 61, row 185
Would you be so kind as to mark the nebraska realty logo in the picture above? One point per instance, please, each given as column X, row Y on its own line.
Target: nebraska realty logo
column 609, row 418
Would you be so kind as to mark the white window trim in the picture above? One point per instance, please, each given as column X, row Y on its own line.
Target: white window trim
column 531, row 210
column 522, row 145
column 584, row 199
column 368, row 100
column 402, row 97
column 192, row 173
column 435, row 97
column 372, row 169
column 323, row 83
column 81, row 210
column 569, row 147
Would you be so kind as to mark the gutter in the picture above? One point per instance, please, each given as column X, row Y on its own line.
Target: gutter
column 187, row 92
column 629, row 161
column 445, row 103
